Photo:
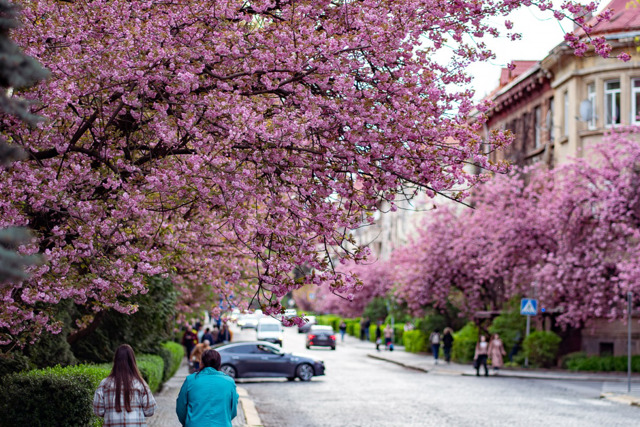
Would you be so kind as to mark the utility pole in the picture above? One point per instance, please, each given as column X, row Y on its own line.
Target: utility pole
column 629, row 307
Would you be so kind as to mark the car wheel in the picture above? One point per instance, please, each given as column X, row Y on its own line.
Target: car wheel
column 308, row 347
column 229, row 370
column 333, row 347
column 304, row 372
column 291, row 378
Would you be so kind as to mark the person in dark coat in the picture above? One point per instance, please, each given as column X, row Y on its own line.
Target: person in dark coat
column 447, row 343
column 378, row 335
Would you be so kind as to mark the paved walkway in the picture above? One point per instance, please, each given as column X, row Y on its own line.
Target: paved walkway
column 165, row 415
column 614, row 387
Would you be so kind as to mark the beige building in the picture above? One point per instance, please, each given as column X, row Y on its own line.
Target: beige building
column 561, row 106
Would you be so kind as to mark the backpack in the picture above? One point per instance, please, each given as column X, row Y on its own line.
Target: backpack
column 435, row 338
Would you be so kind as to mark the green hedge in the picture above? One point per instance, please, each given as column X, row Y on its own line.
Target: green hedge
column 464, row 344
column 51, row 397
column 415, row 341
column 541, row 347
column 580, row 362
column 151, row 367
column 172, row 364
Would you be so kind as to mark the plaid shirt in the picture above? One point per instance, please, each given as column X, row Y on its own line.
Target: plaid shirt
column 104, row 405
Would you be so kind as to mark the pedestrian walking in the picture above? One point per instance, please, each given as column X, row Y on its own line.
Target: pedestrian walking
column 447, row 343
column 189, row 340
column 208, row 336
column 207, row 397
column 199, row 332
column 378, row 335
column 124, row 398
column 496, row 352
column 196, row 354
column 480, row 356
column 367, row 328
column 388, row 335
column 362, row 329
column 434, row 340
column 224, row 336
column 343, row 330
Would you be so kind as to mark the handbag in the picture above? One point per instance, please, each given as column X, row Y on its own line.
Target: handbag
column 476, row 363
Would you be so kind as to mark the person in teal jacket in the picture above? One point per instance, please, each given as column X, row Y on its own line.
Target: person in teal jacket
column 208, row 398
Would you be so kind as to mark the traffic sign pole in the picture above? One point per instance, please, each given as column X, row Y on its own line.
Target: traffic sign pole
column 526, row 359
column 629, row 304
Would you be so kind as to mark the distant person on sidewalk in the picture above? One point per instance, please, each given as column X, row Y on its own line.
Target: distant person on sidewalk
column 447, row 343
column 196, row 354
column 343, row 329
column 480, row 356
column 388, row 335
column 189, row 340
column 207, row 336
column 378, row 335
column 225, row 335
column 434, row 340
column 367, row 328
column 124, row 398
column 362, row 329
column 208, row 397
column 496, row 352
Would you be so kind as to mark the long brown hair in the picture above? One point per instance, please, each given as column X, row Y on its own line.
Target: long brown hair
column 211, row 359
column 124, row 372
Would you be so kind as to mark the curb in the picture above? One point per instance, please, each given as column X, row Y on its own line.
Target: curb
column 251, row 416
column 504, row 374
column 404, row 365
column 621, row 398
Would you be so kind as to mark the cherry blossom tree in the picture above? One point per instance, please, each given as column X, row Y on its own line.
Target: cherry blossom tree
column 227, row 142
column 568, row 236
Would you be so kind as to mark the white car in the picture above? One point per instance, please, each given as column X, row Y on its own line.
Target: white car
column 289, row 313
column 248, row 321
column 270, row 330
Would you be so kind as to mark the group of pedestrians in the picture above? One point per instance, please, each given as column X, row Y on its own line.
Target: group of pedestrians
column 196, row 340
column 207, row 397
column 446, row 340
column 493, row 350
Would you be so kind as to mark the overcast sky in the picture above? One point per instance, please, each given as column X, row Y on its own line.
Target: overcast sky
column 540, row 33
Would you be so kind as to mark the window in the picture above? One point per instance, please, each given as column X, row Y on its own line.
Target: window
column 565, row 128
column 537, row 116
column 550, row 119
column 612, row 102
column 591, row 96
column 635, row 101
column 237, row 349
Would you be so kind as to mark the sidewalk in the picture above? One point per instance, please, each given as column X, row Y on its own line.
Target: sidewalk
column 614, row 389
column 165, row 415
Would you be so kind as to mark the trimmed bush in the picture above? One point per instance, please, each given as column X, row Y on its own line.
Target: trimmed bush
column 415, row 341
column 580, row 362
column 541, row 347
column 151, row 367
column 176, row 351
column 51, row 397
column 464, row 344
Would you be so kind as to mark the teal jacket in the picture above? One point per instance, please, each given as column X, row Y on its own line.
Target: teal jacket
column 207, row 398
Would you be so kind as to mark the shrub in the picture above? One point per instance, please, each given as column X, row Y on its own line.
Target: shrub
column 53, row 396
column 151, row 367
column 510, row 325
column 541, row 347
column 580, row 362
column 398, row 333
column 176, row 351
column 464, row 343
column 414, row 341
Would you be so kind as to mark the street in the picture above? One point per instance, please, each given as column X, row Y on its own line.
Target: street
column 360, row 391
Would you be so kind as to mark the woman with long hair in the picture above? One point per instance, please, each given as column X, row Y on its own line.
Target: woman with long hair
column 208, row 397
column 124, row 398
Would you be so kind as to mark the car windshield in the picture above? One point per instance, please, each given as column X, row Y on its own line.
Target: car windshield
column 269, row 328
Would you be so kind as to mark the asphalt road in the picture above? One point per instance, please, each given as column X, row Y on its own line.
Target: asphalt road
column 360, row 391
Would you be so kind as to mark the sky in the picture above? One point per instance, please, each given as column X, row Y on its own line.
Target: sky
column 540, row 33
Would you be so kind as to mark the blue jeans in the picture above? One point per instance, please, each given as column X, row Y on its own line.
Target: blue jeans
column 435, row 349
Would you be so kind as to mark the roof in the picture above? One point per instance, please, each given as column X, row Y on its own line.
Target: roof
column 626, row 17
column 507, row 75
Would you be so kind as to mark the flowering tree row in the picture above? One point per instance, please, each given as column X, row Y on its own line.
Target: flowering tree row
column 227, row 142
column 568, row 236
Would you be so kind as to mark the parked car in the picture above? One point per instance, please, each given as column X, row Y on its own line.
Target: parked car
column 270, row 330
column 248, row 321
column 263, row 359
column 303, row 329
column 320, row 335
column 289, row 313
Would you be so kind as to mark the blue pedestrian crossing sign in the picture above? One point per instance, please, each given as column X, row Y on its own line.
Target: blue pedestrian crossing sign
column 528, row 307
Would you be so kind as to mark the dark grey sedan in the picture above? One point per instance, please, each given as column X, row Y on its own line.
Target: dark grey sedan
column 263, row 359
